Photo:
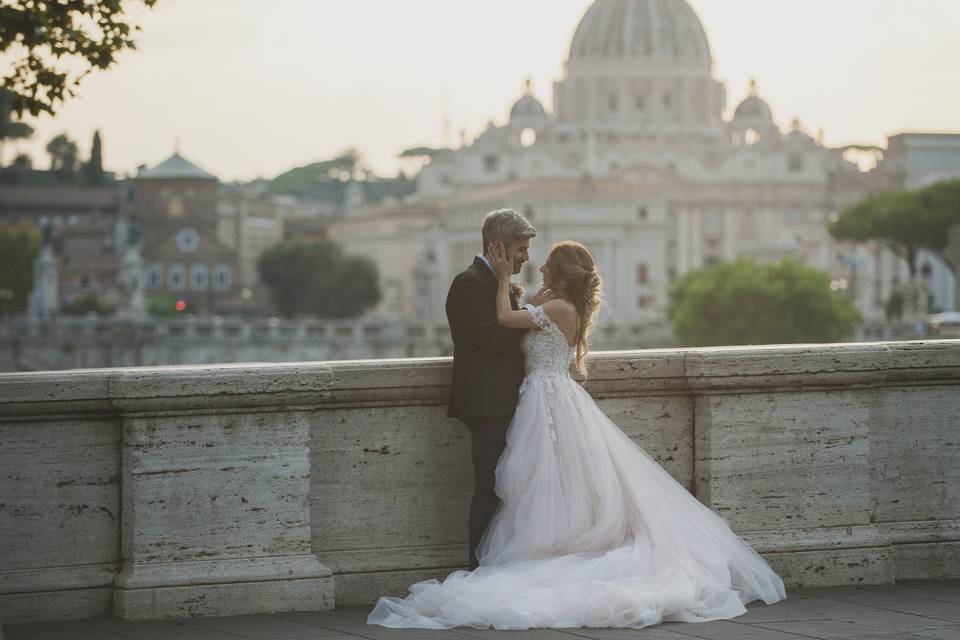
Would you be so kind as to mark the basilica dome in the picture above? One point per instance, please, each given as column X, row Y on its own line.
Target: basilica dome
column 649, row 30
column 640, row 66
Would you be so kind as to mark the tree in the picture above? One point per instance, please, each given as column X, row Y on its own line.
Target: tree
column 94, row 167
column 63, row 155
column 19, row 248
column 83, row 305
column 315, row 278
column 10, row 129
column 742, row 302
column 347, row 165
column 905, row 221
column 50, row 47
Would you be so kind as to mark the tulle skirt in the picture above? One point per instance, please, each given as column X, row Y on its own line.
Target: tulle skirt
column 591, row 532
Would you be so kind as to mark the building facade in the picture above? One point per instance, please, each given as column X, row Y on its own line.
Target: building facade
column 638, row 161
column 175, row 205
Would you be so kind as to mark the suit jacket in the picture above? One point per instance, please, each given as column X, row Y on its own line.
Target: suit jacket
column 487, row 362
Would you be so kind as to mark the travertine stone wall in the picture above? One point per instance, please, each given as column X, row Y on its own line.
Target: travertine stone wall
column 155, row 492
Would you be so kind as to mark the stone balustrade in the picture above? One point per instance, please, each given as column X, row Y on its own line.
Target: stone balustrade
column 74, row 343
column 213, row 490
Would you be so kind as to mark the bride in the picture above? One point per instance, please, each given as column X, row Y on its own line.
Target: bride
column 591, row 531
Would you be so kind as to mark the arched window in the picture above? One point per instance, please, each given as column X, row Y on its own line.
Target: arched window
column 198, row 277
column 176, row 277
column 751, row 137
column 642, row 274
column 221, row 277
column 155, row 276
column 528, row 137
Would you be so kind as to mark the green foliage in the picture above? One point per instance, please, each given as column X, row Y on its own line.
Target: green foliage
column 49, row 47
column 10, row 129
column 306, row 178
column 742, row 302
column 308, row 277
column 162, row 305
column 94, row 167
column 63, row 155
column 420, row 152
column 84, row 304
column 905, row 221
column 19, row 247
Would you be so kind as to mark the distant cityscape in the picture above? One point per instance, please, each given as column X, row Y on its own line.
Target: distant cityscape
column 635, row 160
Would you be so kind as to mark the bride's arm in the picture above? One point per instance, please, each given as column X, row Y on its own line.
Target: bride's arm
column 506, row 316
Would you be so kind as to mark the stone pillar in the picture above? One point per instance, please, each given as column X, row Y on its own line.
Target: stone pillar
column 954, row 250
column 215, row 502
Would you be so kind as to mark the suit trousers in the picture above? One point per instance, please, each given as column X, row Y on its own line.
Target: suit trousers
column 488, row 439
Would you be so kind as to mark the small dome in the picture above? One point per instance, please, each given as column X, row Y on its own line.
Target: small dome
column 527, row 107
column 753, row 107
column 658, row 30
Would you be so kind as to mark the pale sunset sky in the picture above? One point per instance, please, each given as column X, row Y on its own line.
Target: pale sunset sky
column 251, row 88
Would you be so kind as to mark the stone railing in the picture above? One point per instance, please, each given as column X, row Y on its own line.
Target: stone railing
column 73, row 343
column 156, row 492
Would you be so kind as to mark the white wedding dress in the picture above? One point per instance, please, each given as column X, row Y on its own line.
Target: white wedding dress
column 591, row 531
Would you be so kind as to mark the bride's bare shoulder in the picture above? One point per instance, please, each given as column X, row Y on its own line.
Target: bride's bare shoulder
column 563, row 313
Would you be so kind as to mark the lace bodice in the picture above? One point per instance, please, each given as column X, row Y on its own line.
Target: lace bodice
column 546, row 352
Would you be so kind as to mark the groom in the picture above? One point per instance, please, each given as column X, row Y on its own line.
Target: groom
column 487, row 363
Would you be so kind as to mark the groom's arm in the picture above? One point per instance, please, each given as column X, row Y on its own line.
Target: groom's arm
column 477, row 318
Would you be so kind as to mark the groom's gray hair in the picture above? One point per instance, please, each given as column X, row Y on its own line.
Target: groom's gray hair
column 507, row 226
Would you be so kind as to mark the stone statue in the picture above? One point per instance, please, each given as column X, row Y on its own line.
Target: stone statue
column 131, row 278
column 44, row 301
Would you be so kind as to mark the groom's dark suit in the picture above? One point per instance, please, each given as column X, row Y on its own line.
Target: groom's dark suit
column 487, row 372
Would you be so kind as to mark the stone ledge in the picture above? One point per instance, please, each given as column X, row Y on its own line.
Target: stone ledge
column 145, row 390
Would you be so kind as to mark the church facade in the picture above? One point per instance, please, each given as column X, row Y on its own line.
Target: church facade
column 637, row 160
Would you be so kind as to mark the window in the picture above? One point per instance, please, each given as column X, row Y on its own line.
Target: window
column 638, row 104
column 643, row 213
column 644, row 301
column 188, row 240
column 491, row 163
column 642, row 274
column 795, row 163
column 613, row 103
column 176, row 277
column 667, row 102
column 751, row 137
column 154, row 276
column 198, row 277
column 221, row 277
column 528, row 137
column 528, row 214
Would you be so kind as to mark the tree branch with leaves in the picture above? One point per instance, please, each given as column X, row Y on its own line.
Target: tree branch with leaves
column 49, row 47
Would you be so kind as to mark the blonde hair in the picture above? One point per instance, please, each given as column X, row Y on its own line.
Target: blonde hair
column 571, row 264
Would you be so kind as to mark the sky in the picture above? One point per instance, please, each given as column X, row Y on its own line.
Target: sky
column 249, row 88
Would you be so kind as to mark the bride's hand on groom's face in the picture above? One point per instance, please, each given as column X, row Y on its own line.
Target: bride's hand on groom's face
column 501, row 262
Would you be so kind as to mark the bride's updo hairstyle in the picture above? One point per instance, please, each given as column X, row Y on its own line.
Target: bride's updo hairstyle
column 572, row 267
